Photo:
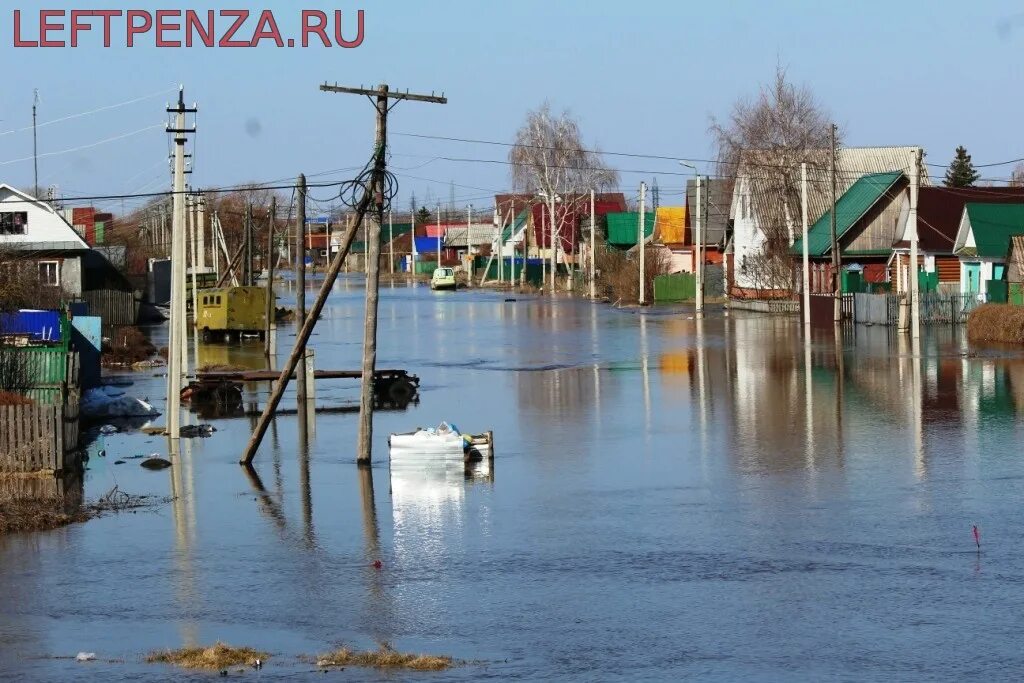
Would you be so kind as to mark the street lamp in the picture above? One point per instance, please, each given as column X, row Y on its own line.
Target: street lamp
column 698, row 241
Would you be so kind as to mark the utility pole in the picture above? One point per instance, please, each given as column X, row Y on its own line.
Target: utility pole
column 201, row 206
column 191, row 204
column 552, row 233
column 697, row 240
column 438, row 235
column 175, row 359
column 526, row 243
column 374, row 194
column 35, row 145
column 249, row 278
column 837, row 263
column 640, row 242
column 271, row 300
column 300, row 281
column 915, row 285
column 806, row 249
column 593, row 246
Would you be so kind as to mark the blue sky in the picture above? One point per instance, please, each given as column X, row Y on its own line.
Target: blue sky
column 642, row 77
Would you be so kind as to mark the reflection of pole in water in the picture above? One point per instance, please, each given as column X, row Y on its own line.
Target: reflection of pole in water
column 809, row 403
column 184, row 580
column 371, row 529
column 304, row 485
column 702, row 390
column 920, row 464
column 840, row 389
column 646, row 375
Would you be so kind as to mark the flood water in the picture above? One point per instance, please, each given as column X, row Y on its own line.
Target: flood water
column 670, row 500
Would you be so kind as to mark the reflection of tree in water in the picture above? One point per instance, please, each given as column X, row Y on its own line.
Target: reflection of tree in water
column 566, row 396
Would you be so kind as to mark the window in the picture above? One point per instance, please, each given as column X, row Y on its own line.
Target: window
column 217, row 300
column 206, row 301
column 49, row 273
column 13, row 222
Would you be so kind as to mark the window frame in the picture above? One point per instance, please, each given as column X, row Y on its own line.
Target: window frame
column 56, row 272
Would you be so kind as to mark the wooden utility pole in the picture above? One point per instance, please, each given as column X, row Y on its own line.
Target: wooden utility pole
column 176, row 344
column 375, row 194
column 271, row 308
column 192, row 204
column 300, row 280
column 837, row 264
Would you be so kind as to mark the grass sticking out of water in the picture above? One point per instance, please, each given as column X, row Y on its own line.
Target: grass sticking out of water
column 385, row 657
column 25, row 508
column 216, row 657
column 996, row 323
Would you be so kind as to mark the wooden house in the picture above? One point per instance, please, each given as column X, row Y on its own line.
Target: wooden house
column 983, row 242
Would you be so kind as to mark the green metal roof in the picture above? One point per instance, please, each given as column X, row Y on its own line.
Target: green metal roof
column 506, row 234
column 850, row 208
column 993, row 225
column 623, row 228
column 397, row 230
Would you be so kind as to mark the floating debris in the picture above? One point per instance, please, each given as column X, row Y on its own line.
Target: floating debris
column 214, row 658
column 85, row 657
column 384, row 658
column 202, row 431
column 156, row 464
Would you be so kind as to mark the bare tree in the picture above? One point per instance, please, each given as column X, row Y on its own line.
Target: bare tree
column 766, row 140
column 549, row 157
column 1017, row 176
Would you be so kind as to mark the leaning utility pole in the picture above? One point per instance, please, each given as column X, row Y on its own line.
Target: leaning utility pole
column 836, row 258
column 640, row 242
column 271, row 308
column 247, row 276
column 375, row 193
column 175, row 359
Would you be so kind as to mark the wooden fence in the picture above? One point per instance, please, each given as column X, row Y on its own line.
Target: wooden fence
column 116, row 308
column 34, row 437
column 44, row 435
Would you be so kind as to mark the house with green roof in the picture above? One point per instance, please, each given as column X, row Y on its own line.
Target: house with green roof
column 871, row 218
column 983, row 242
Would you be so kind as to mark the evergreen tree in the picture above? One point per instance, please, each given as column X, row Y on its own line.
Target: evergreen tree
column 423, row 216
column 961, row 171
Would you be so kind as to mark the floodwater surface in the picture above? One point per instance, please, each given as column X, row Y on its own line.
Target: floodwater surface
column 670, row 499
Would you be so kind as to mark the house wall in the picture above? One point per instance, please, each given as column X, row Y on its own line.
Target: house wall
column 45, row 229
column 71, row 275
column 883, row 227
column 748, row 240
column 987, row 268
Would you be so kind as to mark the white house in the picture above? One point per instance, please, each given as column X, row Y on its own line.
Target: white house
column 38, row 239
column 762, row 198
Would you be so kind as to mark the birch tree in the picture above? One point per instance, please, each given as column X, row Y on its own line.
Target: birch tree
column 549, row 157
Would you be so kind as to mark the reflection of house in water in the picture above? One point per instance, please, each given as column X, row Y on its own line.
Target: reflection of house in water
column 776, row 424
column 563, row 397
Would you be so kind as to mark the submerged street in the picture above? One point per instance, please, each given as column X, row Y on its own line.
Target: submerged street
column 670, row 499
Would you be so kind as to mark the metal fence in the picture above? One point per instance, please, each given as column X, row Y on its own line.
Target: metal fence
column 935, row 308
